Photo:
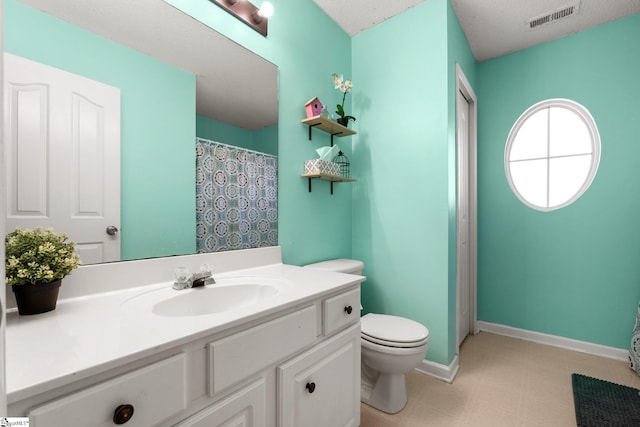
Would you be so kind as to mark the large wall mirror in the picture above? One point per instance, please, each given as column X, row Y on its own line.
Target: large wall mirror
column 193, row 116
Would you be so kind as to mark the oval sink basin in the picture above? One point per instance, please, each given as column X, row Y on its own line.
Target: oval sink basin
column 213, row 299
column 228, row 293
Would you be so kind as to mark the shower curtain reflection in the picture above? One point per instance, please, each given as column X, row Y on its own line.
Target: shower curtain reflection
column 236, row 197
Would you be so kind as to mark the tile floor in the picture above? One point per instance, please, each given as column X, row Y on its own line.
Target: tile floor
column 502, row 382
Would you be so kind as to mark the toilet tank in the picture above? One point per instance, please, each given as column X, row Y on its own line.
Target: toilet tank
column 349, row 266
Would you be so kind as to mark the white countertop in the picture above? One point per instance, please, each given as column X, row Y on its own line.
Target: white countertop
column 88, row 335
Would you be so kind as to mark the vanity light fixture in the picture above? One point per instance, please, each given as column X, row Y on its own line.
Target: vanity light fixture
column 247, row 12
column 265, row 12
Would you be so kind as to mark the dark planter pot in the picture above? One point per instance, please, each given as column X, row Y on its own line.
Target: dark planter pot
column 36, row 299
column 344, row 122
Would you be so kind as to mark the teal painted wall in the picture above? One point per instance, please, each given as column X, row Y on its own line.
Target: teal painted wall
column 264, row 140
column 405, row 162
column 307, row 47
column 573, row 272
column 157, row 126
column 223, row 132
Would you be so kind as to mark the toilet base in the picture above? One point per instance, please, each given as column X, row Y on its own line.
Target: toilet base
column 388, row 393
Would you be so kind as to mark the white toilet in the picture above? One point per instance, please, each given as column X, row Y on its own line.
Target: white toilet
column 391, row 347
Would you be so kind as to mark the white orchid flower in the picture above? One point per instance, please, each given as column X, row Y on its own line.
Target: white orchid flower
column 337, row 80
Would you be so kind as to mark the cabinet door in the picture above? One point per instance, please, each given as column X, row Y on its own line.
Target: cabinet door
column 245, row 408
column 322, row 386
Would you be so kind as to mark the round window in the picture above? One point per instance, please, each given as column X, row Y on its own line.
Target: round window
column 552, row 154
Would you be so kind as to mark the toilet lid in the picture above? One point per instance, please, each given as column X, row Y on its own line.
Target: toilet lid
column 385, row 329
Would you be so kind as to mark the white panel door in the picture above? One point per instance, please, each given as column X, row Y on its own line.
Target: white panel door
column 62, row 155
column 463, row 281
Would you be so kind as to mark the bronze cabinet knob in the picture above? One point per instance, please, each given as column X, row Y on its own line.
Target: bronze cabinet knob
column 122, row 414
column 311, row 387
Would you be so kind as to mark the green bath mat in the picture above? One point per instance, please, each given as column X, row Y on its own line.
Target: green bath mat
column 600, row 403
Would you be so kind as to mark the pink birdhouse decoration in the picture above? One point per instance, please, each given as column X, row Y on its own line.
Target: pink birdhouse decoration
column 314, row 107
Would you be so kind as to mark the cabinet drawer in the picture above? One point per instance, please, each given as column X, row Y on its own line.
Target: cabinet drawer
column 156, row 392
column 235, row 358
column 340, row 311
column 321, row 387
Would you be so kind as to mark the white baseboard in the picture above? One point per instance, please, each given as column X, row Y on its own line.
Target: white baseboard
column 448, row 373
column 556, row 341
column 442, row 372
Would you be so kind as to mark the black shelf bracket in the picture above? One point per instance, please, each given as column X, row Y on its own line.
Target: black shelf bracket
column 329, row 181
column 310, row 127
column 333, row 134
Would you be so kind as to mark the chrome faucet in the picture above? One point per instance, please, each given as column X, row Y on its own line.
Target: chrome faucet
column 202, row 278
column 184, row 280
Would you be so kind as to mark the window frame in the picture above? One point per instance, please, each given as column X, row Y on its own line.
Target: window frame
column 592, row 128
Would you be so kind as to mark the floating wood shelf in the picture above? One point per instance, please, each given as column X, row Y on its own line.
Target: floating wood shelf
column 328, row 126
column 326, row 177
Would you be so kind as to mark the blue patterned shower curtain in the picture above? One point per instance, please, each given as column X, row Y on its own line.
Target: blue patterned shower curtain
column 634, row 351
column 236, row 198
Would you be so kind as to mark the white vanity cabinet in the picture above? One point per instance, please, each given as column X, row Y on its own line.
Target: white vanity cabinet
column 299, row 366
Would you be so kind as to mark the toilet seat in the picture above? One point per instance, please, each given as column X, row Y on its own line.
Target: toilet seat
column 393, row 331
column 393, row 344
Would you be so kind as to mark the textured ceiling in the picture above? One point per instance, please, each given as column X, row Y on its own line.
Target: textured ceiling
column 354, row 16
column 493, row 27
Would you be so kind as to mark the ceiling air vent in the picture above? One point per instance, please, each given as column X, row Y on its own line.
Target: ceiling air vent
column 549, row 17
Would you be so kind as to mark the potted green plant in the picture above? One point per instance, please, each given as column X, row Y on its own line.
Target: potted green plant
column 344, row 87
column 35, row 263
